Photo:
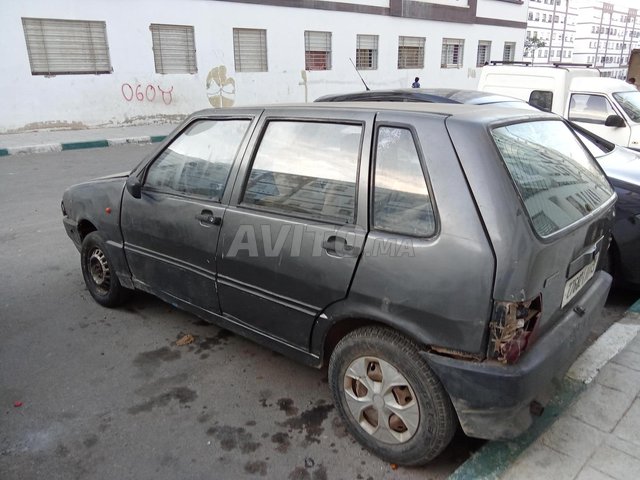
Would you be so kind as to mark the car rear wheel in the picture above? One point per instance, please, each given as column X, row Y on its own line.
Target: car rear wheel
column 391, row 401
column 98, row 273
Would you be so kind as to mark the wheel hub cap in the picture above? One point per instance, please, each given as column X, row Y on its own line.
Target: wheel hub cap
column 381, row 400
column 99, row 270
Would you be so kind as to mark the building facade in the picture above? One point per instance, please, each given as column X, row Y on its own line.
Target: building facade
column 87, row 63
column 605, row 36
column 582, row 31
column 554, row 23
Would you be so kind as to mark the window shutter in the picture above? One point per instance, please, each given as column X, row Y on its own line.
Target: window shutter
column 174, row 49
column 66, row 46
column 250, row 50
column 317, row 47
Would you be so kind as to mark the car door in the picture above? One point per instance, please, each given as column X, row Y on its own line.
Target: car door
column 290, row 241
column 591, row 110
column 171, row 231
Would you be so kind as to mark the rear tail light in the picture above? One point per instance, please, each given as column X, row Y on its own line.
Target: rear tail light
column 510, row 328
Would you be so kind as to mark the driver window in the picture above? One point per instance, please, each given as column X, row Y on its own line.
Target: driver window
column 198, row 161
column 590, row 108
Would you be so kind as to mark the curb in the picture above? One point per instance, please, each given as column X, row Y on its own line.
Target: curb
column 495, row 457
column 59, row 147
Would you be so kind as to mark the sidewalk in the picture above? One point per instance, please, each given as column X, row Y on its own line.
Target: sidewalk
column 590, row 430
column 55, row 141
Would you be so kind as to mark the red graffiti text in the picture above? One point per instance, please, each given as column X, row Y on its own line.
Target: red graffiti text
column 148, row 93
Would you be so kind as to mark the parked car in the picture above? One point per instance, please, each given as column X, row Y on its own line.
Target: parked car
column 608, row 107
column 622, row 167
column 429, row 95
column 444, row 261
column 623, row 259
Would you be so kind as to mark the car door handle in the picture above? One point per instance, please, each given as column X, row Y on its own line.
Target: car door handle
column 206, row 218
column 337, row 245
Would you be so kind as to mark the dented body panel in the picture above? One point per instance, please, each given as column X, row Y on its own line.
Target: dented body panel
column 443, row 293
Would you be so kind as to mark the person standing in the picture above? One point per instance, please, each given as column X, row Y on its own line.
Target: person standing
column 416, row 83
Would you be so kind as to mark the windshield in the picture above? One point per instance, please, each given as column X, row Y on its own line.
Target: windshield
column 630, row 103
column 558, row 180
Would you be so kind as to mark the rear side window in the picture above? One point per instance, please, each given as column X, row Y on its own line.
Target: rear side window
column 541, row 99
column 199, row 160
column 401, row 200
column 306, row 169
column 557, row 179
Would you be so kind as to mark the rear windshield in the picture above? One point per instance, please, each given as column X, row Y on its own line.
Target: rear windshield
column 556, row 177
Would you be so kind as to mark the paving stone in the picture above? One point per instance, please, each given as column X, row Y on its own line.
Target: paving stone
column 628, row 359
column 623, row 445
column 634, row 345
column 620, row 377
column 573, row 437
column 601, row 407
column 588, row 473
column 539, row 461
column 615, row 463
column 629, row 427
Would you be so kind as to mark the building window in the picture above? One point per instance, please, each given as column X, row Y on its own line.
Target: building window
column 174, row 48
column 367, row 52
column 250, row 50
column 452, row 53
column 484, row 52
column 411, row 52
column 317, row 50
column 508, row 54
column 64, row 47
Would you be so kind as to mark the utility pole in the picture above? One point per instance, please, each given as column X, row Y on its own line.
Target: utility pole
column 564, row 28
column 608, row 7
column 553, row 24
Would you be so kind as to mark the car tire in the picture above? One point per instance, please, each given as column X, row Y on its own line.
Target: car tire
column 382, row 361
column 99, row 276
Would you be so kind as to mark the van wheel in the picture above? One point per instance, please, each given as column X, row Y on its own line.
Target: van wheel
column 98, row 273
column 391, row 401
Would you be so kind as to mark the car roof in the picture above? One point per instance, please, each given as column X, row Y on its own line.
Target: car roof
column 468, row 113
column 601, row 85
column 439, row 95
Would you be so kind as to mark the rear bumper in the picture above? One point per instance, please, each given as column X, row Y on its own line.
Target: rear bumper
column 493, row 400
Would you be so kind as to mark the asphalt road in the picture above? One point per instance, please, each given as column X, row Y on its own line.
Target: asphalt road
column 107, row 394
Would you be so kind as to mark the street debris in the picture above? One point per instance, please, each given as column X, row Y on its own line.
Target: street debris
column 185, row 340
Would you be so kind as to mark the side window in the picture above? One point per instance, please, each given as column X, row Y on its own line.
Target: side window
column 541, row 99
column 198, row 161
column 401, row 200
column 590, row 108
column 306, row 168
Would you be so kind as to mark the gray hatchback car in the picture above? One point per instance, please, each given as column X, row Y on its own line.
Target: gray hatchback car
column 444, row 261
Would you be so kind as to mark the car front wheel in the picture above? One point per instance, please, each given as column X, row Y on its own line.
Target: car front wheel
column 98, row 273
column 391, row 401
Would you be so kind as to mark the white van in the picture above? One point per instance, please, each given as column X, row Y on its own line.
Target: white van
column 608, row 107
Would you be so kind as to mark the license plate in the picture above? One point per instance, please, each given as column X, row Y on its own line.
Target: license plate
column 575, row 283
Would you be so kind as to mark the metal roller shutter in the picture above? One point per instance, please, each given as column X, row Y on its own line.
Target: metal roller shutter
column 174, row 48
column 250, row 50
column 66, row 46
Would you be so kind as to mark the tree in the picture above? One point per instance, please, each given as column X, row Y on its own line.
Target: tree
column 532, row 44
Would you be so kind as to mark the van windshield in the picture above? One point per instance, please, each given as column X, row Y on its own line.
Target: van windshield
column 558, row 180
column 630, row 103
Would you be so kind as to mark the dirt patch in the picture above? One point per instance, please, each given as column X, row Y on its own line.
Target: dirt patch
column 183, row 395
column 281, row 439
column 310, row 422
column 231, row 438
column 258, row 467
column 286, row 405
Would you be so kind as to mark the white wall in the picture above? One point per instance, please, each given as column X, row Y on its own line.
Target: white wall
column 30, row 102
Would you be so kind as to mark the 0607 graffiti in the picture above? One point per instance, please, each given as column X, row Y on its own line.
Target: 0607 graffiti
column 141, row 93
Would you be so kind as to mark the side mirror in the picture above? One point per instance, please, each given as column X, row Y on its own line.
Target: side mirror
column 614, row 121
column 134, row 187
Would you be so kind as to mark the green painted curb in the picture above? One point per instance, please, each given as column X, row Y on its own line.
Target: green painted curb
column 79, row 145
column 157, row 138
column 635, row 308
column 494, row 458
column 4, row 152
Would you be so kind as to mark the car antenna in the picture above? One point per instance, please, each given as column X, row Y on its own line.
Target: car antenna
column 365, row 83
